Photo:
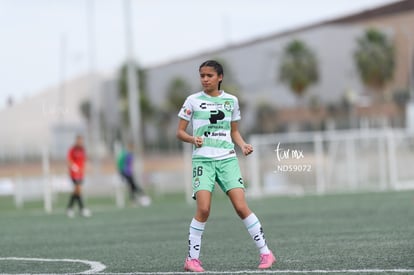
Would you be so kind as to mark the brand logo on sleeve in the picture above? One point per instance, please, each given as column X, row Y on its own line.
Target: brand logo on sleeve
column 186, row 111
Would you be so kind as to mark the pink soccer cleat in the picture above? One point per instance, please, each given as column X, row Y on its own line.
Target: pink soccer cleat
column 193, row 265
column 266, row 260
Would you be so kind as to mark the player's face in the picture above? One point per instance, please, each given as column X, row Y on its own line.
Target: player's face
column 209, row 79
column 79, row 141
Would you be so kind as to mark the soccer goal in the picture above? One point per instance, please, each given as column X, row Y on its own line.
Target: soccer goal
column 46, row 181
column 331, row 162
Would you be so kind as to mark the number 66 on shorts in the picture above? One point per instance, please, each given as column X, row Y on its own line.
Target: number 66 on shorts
column 225, row 172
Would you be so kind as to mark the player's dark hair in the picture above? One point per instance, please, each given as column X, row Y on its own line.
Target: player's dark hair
column 216, row 66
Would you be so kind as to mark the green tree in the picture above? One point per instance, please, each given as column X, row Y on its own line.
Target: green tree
column 299, row 67
column 177, row 92
column 85, row 110
column 375, row 59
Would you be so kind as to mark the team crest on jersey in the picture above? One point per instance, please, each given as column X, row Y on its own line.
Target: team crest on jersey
column 227, row 106
column 196, row 182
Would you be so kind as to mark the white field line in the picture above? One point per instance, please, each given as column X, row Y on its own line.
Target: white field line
column 324, row 271
column 95, row 267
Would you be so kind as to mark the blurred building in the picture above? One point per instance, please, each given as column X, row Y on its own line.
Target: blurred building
column 253, row 66
column 50, row 120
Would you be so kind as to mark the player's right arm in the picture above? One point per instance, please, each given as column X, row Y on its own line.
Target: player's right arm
column 185, row 116
column 71, row 163
column 184, row 136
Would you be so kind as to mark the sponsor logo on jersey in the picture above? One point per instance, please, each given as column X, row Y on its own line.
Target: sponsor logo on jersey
column 215, row 116
column 214, row 134
column 212, row 126
column 211, row 105
column 186, row 111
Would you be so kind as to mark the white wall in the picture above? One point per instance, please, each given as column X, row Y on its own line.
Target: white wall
column 28, row 126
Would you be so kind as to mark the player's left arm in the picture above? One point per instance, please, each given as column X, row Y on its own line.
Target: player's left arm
column 238, row 139
column 71, row 162
column 85, row 160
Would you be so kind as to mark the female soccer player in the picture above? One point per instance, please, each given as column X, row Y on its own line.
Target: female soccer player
column 214, row 115
column 76, row 165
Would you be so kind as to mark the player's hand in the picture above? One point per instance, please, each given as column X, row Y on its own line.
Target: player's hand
column 74, row 168
column 198, row 142
column 247, row 149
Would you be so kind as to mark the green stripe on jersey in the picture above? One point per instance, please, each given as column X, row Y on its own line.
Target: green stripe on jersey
column 207, row 114
column 216, row 143
column 201, row 115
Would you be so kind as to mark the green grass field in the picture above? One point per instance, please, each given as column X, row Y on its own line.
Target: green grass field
column 341, row 234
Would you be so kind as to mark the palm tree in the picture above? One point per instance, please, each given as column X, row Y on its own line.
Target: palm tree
column 85, row 110
column 375, row 61
column 177, row 92
column 299, row 67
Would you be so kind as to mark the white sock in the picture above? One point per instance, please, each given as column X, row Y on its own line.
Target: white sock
column 194, row 238
column 254, row 227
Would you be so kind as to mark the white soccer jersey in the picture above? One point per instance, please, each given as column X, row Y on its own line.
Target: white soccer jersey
column 211, row 118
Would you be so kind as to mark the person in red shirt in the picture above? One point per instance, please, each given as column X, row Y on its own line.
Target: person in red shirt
column 76, row 165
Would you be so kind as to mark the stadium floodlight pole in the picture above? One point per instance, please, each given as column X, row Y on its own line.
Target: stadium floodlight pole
column 409, row 113
column 133, row 92
column 62, row 90
column 410, row 59
column 410, row 67
column 94, row 95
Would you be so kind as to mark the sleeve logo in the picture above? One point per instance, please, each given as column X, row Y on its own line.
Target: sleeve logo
column 186, row 111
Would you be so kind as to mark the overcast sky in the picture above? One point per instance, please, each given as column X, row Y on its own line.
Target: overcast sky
column 40, row 37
